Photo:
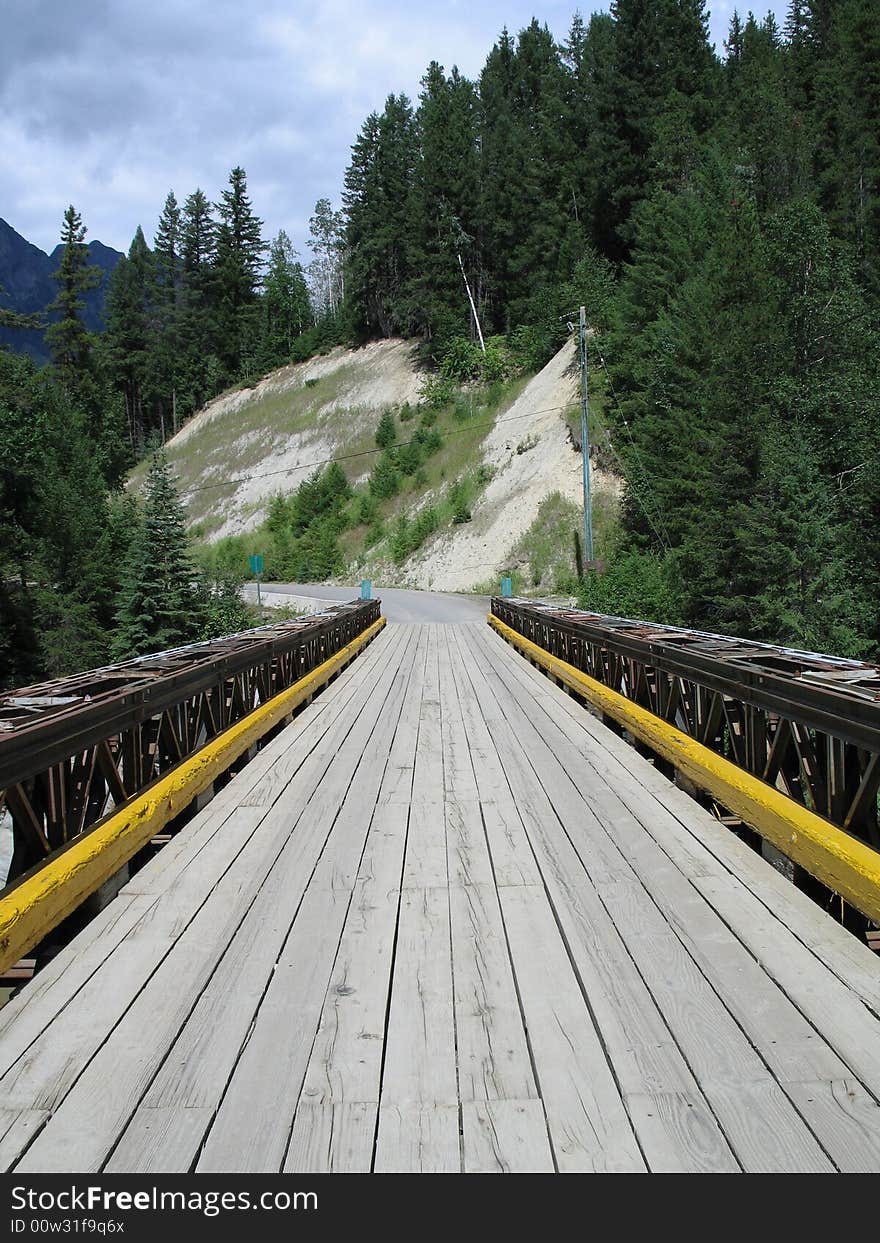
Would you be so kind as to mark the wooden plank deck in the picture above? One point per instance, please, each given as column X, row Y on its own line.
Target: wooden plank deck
column 446, row 921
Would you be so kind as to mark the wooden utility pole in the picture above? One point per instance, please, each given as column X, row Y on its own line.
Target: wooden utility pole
column 585, row 444
column 471, row 301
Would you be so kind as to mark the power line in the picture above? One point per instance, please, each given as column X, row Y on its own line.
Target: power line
column 664, row 542
column 347, row 457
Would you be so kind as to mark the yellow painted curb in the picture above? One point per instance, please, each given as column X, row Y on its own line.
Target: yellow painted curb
column 39, row 902
column 840, row 861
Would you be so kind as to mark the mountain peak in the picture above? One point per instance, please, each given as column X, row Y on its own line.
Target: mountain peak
column 26, row 278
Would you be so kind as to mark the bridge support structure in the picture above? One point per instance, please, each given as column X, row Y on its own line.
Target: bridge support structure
column 35, row 903
column 831, row 853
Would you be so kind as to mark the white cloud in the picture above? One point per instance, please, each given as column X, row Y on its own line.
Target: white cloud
column 110, row 103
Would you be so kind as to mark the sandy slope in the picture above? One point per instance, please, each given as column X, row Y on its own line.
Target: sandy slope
column 460, row 558
column 268, row 438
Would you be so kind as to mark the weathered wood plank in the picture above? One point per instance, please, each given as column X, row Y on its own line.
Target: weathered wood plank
column 588, row 1124
column 112, row 1083
column 493, row 1055
column 848, row 958
column 414, row 1139
column 253, row 1124
column 346, row 1059
column 332, row 1138
column 18, row 1127
column 792, row 1049
column 469, row 933
column 505, row 1137
column 420, row 1052
column 850, row 1121
column 211, row 1040
column 344, row 1068
column 195, row 1075
column 620, row 939
column 31, row 1011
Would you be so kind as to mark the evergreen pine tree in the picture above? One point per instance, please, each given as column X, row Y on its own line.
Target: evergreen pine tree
column 386, row 433
column 129, row 342
column 238, row 265
column 547, row 232
column 166, row 349
column 499, row 193
column 378, row 185
column 443, row 207
column 158, row 603
column 589, row 58
column 67, row 337
column 55, row 578
column 200, row 366
column 286, row 309
column 661, row 50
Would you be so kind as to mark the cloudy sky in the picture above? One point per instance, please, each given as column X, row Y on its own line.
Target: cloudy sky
column 108, row 104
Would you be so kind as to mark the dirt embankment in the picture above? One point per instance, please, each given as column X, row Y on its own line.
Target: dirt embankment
column 531, row 455
column 251, row 443
column 247, row 445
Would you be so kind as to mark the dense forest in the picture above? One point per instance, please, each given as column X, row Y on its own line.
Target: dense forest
column 719, row 216
column 721, row 222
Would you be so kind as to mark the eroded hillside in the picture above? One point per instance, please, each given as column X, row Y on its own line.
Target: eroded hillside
column 511, row 445
column 247, row 445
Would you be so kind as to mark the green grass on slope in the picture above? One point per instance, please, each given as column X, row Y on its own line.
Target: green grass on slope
column 447, row 484
column 239, row 442
column 450, row 481
column 543, row 561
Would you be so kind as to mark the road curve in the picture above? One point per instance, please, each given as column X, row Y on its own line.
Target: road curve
column 398, row 605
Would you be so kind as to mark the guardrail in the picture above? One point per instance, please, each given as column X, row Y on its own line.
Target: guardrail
column 806, row 725
column 75, row 749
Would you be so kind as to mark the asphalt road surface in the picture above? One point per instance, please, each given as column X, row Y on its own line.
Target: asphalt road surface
column 397, row 605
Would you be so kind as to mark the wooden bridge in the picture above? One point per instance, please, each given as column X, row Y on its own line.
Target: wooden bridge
column 448, row 920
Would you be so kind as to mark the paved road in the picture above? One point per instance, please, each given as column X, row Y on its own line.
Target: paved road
column 397, row 605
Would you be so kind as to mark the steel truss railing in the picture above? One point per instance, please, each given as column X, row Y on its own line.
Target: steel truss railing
column 805, row 723
column 73, row 749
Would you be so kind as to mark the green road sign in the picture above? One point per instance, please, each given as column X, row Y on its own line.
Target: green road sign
column 256, row 563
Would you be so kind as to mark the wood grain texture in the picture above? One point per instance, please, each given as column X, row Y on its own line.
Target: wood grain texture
column 332, row 1138
column 505, row 1137
column 110, row 1086
column 588, row 1124
column 712, row 1044
column 734, row 952
column 413, row 1139
column 446, row 921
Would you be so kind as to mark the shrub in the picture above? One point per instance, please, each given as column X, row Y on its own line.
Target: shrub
column 408, row 535
column 365, row 509
column 223, row 610
column 384, row 477
column 386, row 432
column 635, row 584
column 409, row 457
column 437, row 391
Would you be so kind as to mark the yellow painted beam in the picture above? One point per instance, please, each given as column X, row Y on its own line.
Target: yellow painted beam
column 840, row 861
column 40, row 901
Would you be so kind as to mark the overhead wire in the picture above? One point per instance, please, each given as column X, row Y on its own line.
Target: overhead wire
column 664, row 539
column 347, row 457
column 658, row 527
